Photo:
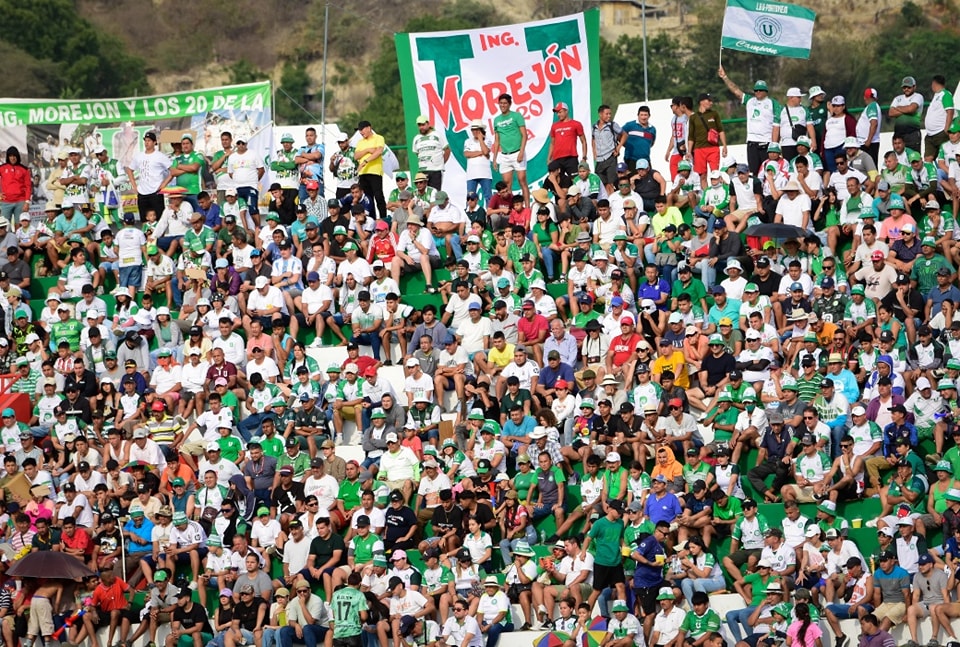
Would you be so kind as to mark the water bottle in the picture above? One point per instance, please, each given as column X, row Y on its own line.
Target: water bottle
column 543, row 537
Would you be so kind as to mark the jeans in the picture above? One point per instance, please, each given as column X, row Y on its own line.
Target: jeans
column 507, row 545
column 829, row 158
column 11, row 210
column 250, row 426
column 482, row 187
column 312, row 635
column 271, row 637
column 372, row 186
column 689, row 586
column 250, row 195
column 736, row 619
column 456, row 246
column 370, row 339
column 649, row 254
column 164, row 242
column 493, row 633
column 708, row 273
column 549, row 261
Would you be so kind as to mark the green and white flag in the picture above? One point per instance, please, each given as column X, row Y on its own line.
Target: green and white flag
column 768, row 28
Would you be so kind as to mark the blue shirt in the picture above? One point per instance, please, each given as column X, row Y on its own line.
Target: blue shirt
column 211, row 217
column 647, row 291
column 936, row 296
column 145, row 532
column 665, row 509
column 647, row 575
column 846, row 384
column 891, row 433
column 549, row 376
column 523, row 429
column 640, row 140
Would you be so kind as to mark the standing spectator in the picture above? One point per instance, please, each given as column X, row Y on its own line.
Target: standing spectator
column 940, row 115
column 476, row 148
column 706, row 141
column 148, row 174
column 368, row 154
column 246, row 169
column 432, row 151
column 509, row 146
column 638, row 138
column 607, row 138
column 564, row 135
column 905, row 112
column 16, row 185
column 763, row 125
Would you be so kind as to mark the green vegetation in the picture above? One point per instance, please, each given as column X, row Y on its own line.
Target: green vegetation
column 53, row 51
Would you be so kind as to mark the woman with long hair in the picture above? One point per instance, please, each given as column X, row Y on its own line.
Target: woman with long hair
column 803, row 632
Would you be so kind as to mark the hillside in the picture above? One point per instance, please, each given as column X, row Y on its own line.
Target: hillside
column 226, row 32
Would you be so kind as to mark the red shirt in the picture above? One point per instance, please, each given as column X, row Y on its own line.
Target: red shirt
column 383, row 249
column 110, row 598
column 363, row 362
column 622, row 347
column 565, row 136
column 532, row 328
column 15, row 183
column 79, row 541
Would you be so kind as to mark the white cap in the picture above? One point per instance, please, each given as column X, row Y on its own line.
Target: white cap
column 32, row 337
column 812, row 531
column 24, row 216
column 794, row 92
column 613, row 457
column 733, row 264
column 93, row 313
column 390, row 438
column 140, row 432
column 858, row 411
column 261, row 282
column 212, row 446
column 753, row 334
column 413, row 361
column 923, row 383
column 675, row 317
column 163, row 310
column 538, row 432
column 377, row 263
column 351, row 368
column 538, row 284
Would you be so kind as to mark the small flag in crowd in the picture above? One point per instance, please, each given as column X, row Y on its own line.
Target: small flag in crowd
column 768, row 28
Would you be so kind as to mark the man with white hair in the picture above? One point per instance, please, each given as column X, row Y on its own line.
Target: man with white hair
column 794, row 124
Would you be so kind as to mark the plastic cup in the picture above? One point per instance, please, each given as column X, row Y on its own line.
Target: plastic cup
column 857, row 522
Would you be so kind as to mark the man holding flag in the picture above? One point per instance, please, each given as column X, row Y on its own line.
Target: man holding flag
column 762, row 120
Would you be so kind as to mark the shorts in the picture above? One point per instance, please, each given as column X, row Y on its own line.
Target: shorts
column 108, row 266
column 702, row 157
column 413, row 268
column 569, row 164
column 842, row 611
column 40, row 622
column 347, row 641
column 740, row 557
column 131, row 276
column 293, row 292
column 802, row 494
column 647, row 597
column 607, row 576
column 508, row 162
column 892, row 611
column 271, row 321
column 607, row 170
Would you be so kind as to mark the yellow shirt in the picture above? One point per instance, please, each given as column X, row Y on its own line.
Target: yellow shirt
column 676, row 363
column 375, row 167
column 501, row 357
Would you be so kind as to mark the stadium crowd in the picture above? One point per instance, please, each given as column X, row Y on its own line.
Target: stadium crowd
column 605, row 376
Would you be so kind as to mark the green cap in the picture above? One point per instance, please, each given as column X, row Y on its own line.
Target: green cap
column 449, row 442
column 943, row 466
column 684, row 165
column 716, row 338
column 380, row 561
column 952, row 494
column 945, row 383
column 401, row 176
column 792, row 386
column 751, row 287
column 476, row 414
column 619, row 605
column 177, row 482
column 286, row 138
column 857, row 289
column 619, row 236
column 136, row 513
column 214, row 540
column 179, row 518
column 783, row 609
column 274, row 216
column 490, row 427
column 160, row 576
column 21, row 313
column 263, row 510
column 954, row 363
column 724, row 397
column 954, row 126
column 896, row 202
column 914, row 156
column 928, row 241
column 378, row 414
column 333, row 368
column 810, row 336
column 339, row 229
column 587, row 403
column 760, row 85
column 152, row 249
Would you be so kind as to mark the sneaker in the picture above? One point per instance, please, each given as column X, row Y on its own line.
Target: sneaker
column 932, row 459
column 548, row 624
column 338, row 440
column 193, row 585
column 933, row 642
column 271, row 550
column 180, row 420
column 841, row 640
column 525, row 626
column 871, row 523
column 911, row 643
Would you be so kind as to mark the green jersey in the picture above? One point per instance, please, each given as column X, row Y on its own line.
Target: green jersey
column 716, row 196
column 925, row 271
column 284, row 169
column 346, row 605
column 272, row 446
column 606, row 536
column 189, row 181
column 364, row 549
column 693, row 474
column 523, row 482
column 507, row 127
column 68, row 330
column 694, row 288
column 898, row 178
column 695, row 626
column 206, row 237
column 758, row 587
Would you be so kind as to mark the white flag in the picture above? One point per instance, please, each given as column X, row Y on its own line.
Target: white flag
column 768, row 28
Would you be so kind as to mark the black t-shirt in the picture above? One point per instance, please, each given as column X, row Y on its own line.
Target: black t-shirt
column 285, row 501
column 398, row 523
column 247, row 613
column 769, row 286
column 717, row 367
column 310, row 418
column 328, row 225
column 197, row 615
column 323, row 549
column 108, row 542
column 444, row 521
column 914, row 300
column 483, row 514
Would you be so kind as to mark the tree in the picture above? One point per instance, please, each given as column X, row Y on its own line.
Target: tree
column 243, row 71
column 294, row 84
column 89, row 63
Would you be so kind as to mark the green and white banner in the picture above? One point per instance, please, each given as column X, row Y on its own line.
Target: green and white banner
column 43, row 129
column 768, row 28
column 455, row 77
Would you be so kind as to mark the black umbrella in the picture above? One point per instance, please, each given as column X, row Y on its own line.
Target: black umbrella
column 776, row 230
column 50, row 564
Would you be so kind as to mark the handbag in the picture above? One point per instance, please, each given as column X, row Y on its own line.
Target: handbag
column 713, row 135
column 797, row 131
